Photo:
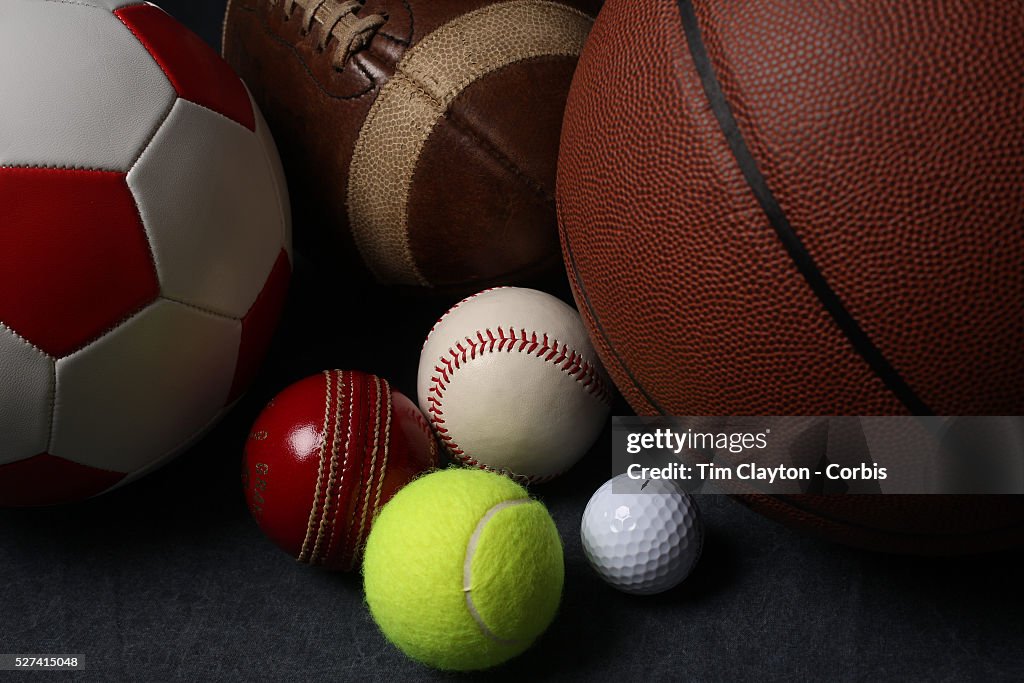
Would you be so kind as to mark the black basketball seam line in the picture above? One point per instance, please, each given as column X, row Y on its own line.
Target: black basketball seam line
column 798, row 252
column 584, row 300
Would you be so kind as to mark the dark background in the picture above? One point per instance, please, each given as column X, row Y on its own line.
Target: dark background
column 169, row 578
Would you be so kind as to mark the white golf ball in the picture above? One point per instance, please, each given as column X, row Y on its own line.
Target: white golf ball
column 644, row 537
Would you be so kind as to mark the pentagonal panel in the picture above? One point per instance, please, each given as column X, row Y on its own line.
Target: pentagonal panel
column 212, row 210
column 26, row 385
column 77, row 88
column 143, row 390
column 195, row 70
column 74, row 259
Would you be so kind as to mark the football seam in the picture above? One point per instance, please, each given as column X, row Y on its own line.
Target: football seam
column 490, row 149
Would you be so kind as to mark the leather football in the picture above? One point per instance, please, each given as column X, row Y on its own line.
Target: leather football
column 419, row 137
column 807, row 209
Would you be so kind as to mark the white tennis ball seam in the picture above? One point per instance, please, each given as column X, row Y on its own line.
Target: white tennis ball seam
column 467, row 570
column 507, row 340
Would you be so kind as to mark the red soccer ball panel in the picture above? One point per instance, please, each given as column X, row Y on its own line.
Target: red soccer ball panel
column 194, row 69
column 258, row 326
column 46, row 480
column 74, row 259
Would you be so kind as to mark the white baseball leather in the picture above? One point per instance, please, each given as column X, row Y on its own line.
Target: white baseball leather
column 223, row 170
column 510, row 382
column 63, row 87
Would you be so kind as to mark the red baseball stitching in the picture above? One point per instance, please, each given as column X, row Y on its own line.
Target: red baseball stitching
column 506, row 340
column 452, row 310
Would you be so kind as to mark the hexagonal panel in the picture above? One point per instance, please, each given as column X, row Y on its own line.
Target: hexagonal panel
column 195, row 70
column 26, row 384
column 79, row 90
column 214, row 216
column 74, row 259
column 143, row 390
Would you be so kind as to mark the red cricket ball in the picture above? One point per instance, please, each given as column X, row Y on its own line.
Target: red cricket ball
column 324, row 456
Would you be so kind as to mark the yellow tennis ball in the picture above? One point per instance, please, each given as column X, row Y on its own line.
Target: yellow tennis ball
column 463, row 570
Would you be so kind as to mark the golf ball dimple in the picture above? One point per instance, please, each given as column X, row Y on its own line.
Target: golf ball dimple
column 642, row 537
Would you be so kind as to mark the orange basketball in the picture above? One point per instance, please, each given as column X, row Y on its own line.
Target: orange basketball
column 807, row 209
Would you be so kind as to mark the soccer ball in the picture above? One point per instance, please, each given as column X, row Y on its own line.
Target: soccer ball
column 144, row 244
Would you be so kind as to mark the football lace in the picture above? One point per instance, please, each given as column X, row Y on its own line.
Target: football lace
column 338, row 20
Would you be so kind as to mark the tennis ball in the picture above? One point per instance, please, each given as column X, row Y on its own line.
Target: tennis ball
column 463, row 570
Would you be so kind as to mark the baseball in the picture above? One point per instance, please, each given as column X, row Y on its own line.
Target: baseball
column 511, row 383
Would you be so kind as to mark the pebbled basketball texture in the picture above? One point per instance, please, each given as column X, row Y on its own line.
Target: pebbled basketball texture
column 807, row 209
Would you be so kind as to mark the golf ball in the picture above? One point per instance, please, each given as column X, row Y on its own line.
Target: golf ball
column 643, row 537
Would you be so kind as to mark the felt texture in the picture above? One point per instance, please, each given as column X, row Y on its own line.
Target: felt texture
column 415, row 569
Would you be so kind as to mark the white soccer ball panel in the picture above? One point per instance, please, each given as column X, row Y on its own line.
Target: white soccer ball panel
column 140, row 392
column 110, row 5
column 77, row 88
column 26, row 386
column 212, row 209
column 277, row 174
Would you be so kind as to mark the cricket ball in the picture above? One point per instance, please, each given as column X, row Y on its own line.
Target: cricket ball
column 324, row 456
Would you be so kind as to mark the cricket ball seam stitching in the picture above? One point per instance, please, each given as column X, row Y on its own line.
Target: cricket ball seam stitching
column 336, row 479
column 304, row 552
column 547, row 349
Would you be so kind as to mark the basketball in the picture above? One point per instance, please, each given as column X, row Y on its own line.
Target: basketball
column 807, row 209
